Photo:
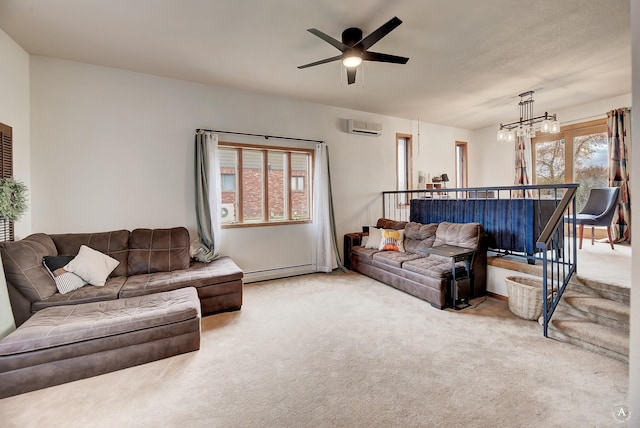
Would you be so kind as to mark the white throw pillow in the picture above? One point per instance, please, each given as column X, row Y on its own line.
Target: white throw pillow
column 68, row 281
column 375, row 236
column 92, row 266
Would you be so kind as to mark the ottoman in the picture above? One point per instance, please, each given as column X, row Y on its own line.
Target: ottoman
column 61, row 344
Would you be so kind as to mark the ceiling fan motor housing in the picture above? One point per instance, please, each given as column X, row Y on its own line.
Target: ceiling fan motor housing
column 351, row 36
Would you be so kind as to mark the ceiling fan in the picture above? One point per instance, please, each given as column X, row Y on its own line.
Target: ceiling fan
column 355, row 49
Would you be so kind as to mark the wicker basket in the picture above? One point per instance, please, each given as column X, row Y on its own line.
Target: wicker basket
column 525, row 296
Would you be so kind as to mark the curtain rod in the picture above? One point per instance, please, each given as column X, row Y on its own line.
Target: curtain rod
column 266, row 137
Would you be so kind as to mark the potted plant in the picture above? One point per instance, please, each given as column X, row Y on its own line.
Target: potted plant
column 13, row 199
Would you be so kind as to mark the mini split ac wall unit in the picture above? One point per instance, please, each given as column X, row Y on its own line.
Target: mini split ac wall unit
column 364, row 128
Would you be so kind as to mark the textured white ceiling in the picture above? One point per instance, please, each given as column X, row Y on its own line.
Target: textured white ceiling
column 469, row 59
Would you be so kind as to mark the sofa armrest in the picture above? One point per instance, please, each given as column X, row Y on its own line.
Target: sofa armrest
column 351, row 240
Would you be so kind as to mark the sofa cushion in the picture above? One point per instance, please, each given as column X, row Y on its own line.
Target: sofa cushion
column 461, row 234
column 115, row 244
column 23, row 268
column 434, row 266
column 363, row 252
column 419, row 231
column 109, row 291
column 394, row 258
column 386, row 223
column 158, row 250
column 219, row 271
column 56, row 327
column 419, row 236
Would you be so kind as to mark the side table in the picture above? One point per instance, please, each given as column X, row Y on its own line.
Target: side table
column 457, row 254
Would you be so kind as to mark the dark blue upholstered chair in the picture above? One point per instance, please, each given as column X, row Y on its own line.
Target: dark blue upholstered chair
column 598, row 211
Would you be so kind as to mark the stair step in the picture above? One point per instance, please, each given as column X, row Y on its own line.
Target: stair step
column 592, row 336
column 595, row 309
column 600, row 289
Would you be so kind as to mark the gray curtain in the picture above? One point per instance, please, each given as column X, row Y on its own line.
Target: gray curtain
column 326, row 252
column 207, row 184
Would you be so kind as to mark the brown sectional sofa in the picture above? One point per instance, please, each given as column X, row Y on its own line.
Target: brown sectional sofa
column 149, row 308
column 413, row 271
column 151, row 261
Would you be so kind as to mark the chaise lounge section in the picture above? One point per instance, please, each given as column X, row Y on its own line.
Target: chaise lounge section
column 61, row 344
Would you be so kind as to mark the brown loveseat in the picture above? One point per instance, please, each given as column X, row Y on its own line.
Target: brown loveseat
column 416, row 272
column 149, row 308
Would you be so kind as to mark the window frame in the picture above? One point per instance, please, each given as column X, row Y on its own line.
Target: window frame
column 407, row 163
column 462, row 163
column 568, row 133
column 287, row 176
column 7, row 228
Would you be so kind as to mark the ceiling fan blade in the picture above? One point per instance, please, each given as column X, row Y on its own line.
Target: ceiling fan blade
column 374, row 37
column 380, row 57
column 333, row 42
column 322, row 61
column 351, row 75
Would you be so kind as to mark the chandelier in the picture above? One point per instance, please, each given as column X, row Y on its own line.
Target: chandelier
column 528, row 124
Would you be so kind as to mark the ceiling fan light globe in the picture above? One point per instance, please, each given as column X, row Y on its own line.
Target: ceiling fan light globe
column 352, row 61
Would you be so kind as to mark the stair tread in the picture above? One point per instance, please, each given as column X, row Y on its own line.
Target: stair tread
column 599, row 306
column 598, row 288
column 595, row 334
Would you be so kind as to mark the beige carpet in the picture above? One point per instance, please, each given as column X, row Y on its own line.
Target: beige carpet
column 344, row 350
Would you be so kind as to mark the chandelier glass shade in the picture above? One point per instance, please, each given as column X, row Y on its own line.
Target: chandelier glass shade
column 528, row 123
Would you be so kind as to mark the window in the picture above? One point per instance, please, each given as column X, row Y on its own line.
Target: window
column 264, row 185
column 461, row 164
column 577, row 154
column 228, row 181
column 6, row 171
column 403, row 165
column 297, row 183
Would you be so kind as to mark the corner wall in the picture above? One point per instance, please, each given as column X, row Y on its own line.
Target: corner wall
column 14, row 111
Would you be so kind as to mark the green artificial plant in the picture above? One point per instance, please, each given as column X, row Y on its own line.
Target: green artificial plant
column 13, row 199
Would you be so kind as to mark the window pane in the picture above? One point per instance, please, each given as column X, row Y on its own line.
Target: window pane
column 300, row 194
column 252, row 186
column 402, row 164
column 229, row 174
column 590, row 165
column 550, row 162
column 277, row 185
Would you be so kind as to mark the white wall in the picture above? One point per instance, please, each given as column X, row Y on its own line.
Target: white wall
column 114, row 149
column 14, row 111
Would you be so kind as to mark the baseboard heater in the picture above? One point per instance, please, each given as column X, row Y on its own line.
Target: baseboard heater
column 276, row 273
